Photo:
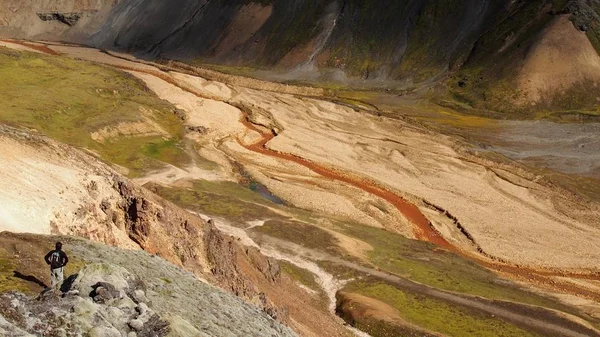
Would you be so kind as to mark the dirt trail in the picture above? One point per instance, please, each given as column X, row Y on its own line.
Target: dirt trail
column 532, row 317
column 423, row 229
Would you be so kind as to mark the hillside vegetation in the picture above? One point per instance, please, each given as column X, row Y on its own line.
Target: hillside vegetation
column 92, row 107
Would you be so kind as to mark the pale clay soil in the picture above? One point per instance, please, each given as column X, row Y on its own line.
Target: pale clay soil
column 49, row 189
column 515, row 223
column 144, row 127
column 18, row 47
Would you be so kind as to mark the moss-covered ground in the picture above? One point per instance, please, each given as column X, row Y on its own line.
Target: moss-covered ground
column 427, row 264
column 414, row 260
column 219, row 199
column 302, row 234
column 434, row 315
column 303, row 276
column 69, row 99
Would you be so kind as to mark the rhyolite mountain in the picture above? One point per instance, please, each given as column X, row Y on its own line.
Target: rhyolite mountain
column 499, row 55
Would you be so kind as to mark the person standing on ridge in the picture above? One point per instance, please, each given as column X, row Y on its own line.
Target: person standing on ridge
column 56, row 259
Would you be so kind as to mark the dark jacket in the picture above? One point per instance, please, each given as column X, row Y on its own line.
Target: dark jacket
column 56, row 259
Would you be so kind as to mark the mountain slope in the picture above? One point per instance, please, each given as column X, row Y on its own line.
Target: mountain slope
column 144, row 294
column 411, row 41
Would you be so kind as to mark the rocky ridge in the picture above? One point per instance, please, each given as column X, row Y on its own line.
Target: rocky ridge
column 128, row 293
column 69, row 19
column 95, row 202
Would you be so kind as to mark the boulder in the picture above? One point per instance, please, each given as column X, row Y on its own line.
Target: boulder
column 103, row 273
column 136, row 324
column 104, row 292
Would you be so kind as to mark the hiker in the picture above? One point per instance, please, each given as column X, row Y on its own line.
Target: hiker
column 56, row 259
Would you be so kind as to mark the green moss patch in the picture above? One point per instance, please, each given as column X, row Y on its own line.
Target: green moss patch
column 302, row 234
column 303, row 276
column 220, row 199
column 8, row 282
column 22, row 265
column 69, row 99
column 436, row 315
column 430, row 265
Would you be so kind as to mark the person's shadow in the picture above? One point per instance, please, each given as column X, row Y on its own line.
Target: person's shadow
column 29, row 278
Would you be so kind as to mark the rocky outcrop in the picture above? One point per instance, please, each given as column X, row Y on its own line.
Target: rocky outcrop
column 66, row 191
column 585, row 14
column 64, row 20
column 230, row 262
column 128, row 293
column 161, row 228
column 69, row 19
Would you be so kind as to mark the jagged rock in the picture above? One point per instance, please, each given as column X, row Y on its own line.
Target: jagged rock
column 176, row 302
column 266, row 265
column 69, row 19
column 60, row 332
column 49, row 295
column 10, row 329
column 104, row 292
column 138, row 296
column 71, row 293
column 103, row 275
column 104, row 332
column 105, row 206
column 222, row 250
column 154, row 327
column 197, row 129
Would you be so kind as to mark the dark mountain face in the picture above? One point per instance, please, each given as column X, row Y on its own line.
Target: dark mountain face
column 365, row 38
column 369, row 39
column 481, row 43
column 389, row 38
column 199, row 29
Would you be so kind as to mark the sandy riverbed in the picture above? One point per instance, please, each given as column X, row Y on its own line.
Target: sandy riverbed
column 509, row 217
